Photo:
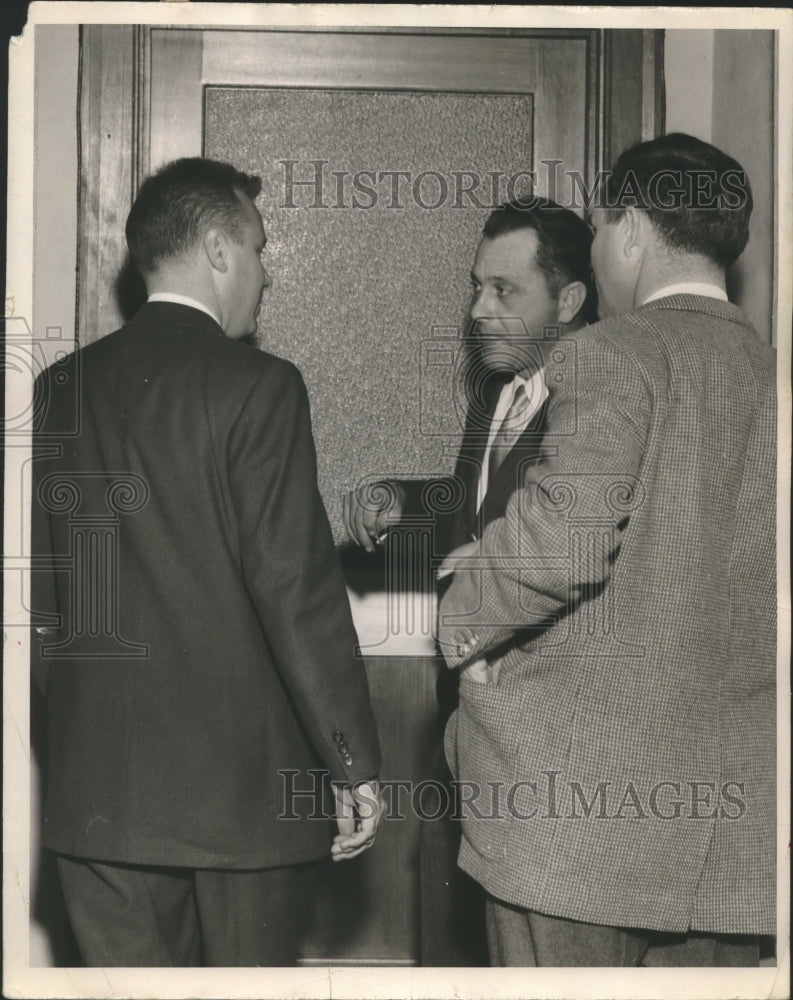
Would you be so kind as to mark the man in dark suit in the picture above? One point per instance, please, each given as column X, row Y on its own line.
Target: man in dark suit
column 632, row 742
column 531, row 277
column 199, row 663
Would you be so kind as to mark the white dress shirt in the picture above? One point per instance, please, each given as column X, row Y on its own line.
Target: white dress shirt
column 183, row 300
column 536, row 393
column 688, row 288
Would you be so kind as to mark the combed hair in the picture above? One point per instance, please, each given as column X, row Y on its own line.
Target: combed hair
column 176, row 205
column 564, row 243
column 698, row 198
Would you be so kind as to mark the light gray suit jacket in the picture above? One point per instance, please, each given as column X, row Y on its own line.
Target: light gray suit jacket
column 622, row 769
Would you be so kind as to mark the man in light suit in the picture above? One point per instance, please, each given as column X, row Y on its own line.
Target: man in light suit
column 620, row 765
column 200, row 658
column 531, row 277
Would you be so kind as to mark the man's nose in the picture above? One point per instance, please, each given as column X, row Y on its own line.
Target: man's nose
column 479, row 309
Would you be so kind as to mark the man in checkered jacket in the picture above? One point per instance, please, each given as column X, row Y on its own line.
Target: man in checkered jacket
column 618, row 769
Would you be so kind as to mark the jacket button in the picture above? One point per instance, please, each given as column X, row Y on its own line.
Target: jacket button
column 338, row 736
column 347, row 760
column 343, row 748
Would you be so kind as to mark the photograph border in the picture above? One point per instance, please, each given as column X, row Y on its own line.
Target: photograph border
column 22, row 980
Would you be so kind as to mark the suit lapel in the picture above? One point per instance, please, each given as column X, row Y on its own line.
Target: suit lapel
column 466, row 522
column 526, row 450
column 469, row 460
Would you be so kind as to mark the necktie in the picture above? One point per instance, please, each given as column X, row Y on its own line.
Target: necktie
column 509, row 431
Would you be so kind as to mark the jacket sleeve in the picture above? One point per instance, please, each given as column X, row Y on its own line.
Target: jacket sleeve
column 293, row 576
column 559, row 537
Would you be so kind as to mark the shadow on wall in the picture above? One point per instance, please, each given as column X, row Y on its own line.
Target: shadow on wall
column 739, row 286
column 129, row 289
column 735, row 282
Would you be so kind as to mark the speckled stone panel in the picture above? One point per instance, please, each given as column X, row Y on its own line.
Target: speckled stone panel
column 366, row 278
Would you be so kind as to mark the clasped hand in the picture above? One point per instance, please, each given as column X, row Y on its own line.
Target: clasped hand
column 358, row 813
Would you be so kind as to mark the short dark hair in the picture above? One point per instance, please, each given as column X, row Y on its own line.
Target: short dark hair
column 564, row 243
column 698, row 198
column 177, row 204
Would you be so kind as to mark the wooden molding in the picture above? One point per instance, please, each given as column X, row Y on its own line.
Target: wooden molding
column 632, row 105
column 112, row 147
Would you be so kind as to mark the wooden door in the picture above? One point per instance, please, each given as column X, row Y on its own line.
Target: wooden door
column 371, row 280
column 367, row 282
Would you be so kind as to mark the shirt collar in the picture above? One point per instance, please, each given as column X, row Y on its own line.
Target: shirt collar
column 534, row 385
column 536, row 391
column 705, row 288
column 183, row 300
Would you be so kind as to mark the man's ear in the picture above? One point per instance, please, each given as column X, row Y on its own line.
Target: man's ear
column 216, row 248
column 633, row 223
column 570, row 301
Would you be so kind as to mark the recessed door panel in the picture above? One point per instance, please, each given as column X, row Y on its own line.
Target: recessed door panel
column 373, row 204
column 381, row 155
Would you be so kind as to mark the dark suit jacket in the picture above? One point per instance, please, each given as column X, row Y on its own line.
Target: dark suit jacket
column 206, row 641
column 452, row 499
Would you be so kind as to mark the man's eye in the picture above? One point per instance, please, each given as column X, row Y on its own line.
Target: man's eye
column 501, row 291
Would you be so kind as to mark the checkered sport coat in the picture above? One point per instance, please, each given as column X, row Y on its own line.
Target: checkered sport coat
column 621, row 770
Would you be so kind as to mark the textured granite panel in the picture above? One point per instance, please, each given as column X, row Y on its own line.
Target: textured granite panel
column 358, row 289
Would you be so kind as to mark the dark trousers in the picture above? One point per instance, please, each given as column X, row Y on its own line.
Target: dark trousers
column 452, row 903
column 525, row 938
column 452, row 907
column 130, row 915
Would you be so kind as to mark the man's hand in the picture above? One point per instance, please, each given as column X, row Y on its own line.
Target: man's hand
column 370, row 509
column 459, row 643
column 358, row 814
column 476, row 671
column 483, row 671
